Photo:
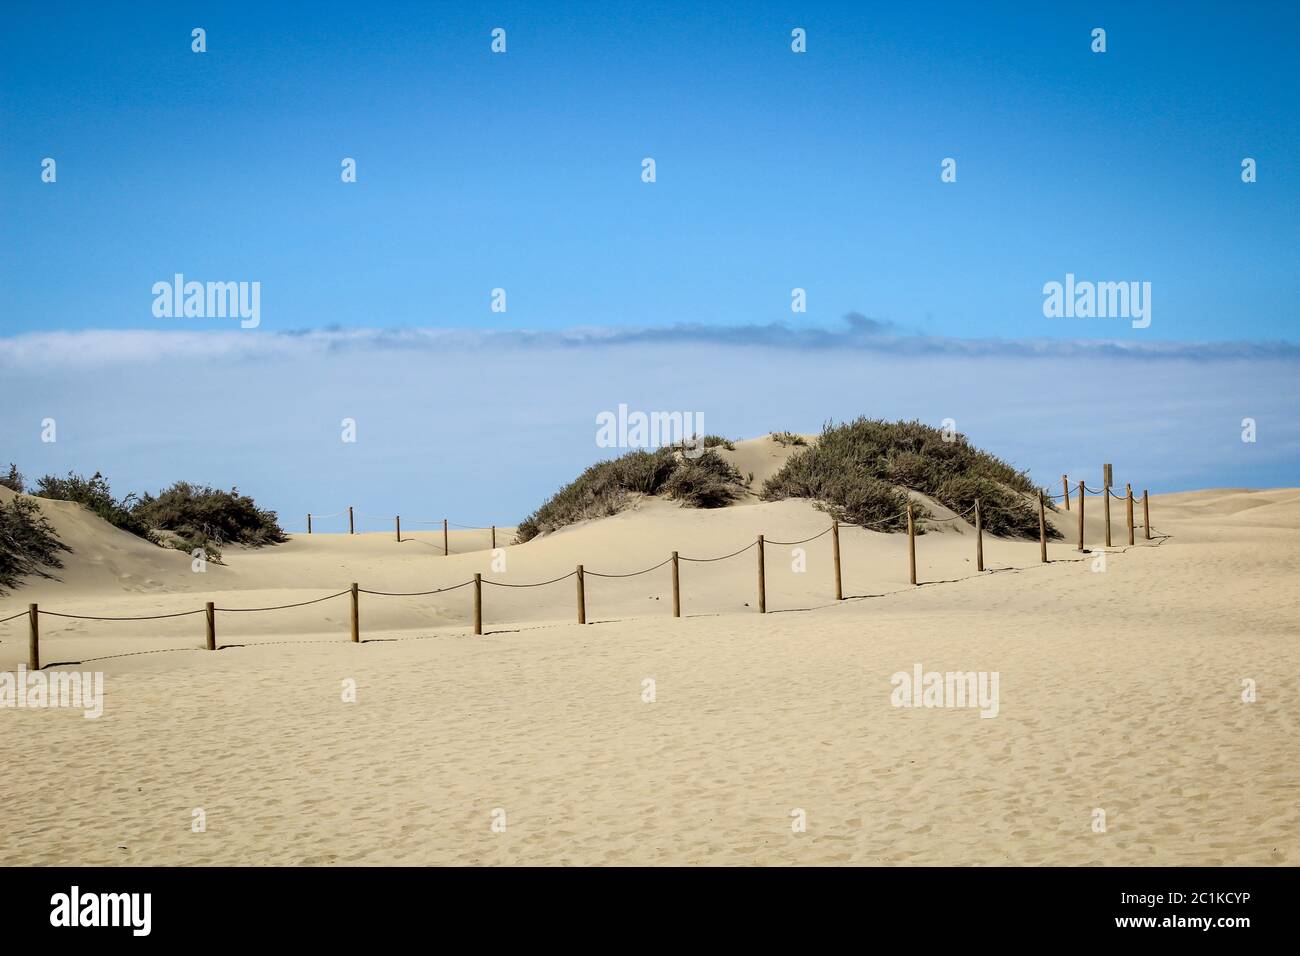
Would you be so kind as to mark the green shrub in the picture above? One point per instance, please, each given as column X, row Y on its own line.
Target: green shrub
column 28, row 544
column 95, row 494
column 605, row 488
column 788, row 438
column 14, row 480
column 185, row 516
column 600, row 491
column 1002, row 512
column 704, row 482
column 906, row 468
column 857, row 469
column 703, row 441
column 206, row 517
column 851, row 498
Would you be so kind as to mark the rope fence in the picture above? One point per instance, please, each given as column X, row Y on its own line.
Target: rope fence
column 210, row 610
column 147, row 617
column 279, row 607
column 353, row 515
column 539, row 584
column 412, row 593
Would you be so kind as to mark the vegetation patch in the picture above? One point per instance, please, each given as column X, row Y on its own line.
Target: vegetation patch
column 860, row 472
column 28, row 545
column 185, row 516
column 704, row 482
column 96, row 496
column 607, row 487
column 200, row 516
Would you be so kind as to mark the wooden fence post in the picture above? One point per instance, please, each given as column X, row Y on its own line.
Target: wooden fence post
column 1146, row 516
column 835, row 542
column 1106, row 500
column 762, row 580
column 1083, row 490
column 478, row 602
column 911, row 543
column 677, row 589
column 212, row 626
column 494, row 537
column 582, row 598
column 398, row 519
column 356, row 614
column 1065, row 482
column 445, row 550
column 352, row 528
column 979, row 538
column 33, row 638
column 1042, row 529
column 1128, row 507
column 309, row 522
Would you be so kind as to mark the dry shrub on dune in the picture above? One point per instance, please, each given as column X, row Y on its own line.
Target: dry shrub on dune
column 28, row 544
column 185, row 516
column 95, row 495
column 704, row 482
column 861, row 471
column 606, row 487
column 206, row 517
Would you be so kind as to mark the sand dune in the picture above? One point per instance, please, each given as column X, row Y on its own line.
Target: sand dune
column 758, row 459
column 1119, row 690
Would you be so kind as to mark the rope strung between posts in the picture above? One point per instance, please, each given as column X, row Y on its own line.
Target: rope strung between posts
column 414, row 593
column 539, row 584
column 723, row 558
column 630, row 574
column 428, row 544
column 148, row 617
column 874, row 524
column 804, row 541
column 282, row 607
column 599, row 574
column 953, row 517
column 1073, row 493
column 414, row 521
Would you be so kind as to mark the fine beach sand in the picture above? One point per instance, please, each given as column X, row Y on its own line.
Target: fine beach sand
column 1118, row 690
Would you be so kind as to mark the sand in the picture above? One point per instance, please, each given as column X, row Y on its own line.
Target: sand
column 1119, row 690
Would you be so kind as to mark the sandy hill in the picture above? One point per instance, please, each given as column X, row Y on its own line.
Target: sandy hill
column 1120, row 690
column 868, row 472
column 761, row 457
column 112, row 573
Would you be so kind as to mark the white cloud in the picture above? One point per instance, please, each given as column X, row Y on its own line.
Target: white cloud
column 858, row 334
column 483, row 425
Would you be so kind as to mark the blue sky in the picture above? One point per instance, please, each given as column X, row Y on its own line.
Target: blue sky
column 522, row 171
column 775, row 170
